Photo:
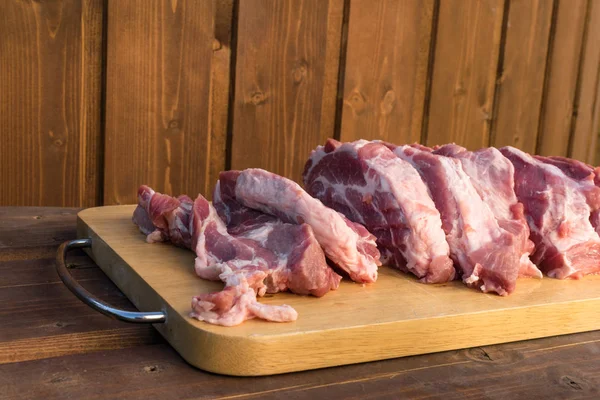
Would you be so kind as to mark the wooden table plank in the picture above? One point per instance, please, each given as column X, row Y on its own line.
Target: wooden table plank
column 40, row 317
column 561, row 367
column 34, row 232
column 45, row 307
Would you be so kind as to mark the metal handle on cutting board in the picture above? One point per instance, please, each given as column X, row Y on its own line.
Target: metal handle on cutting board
column 90, row 299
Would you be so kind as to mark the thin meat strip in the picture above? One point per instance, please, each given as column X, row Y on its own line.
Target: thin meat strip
column 368, row 184
column 558, row 214
column 485, row 253
column 348, row 244
column 493, row 176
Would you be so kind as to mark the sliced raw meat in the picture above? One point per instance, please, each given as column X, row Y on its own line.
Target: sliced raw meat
column 242, row 264
column 161, row 217
column 370, row 185
column 492, row 175
column 238, row 218
column 301, row 267
column 349, row 245
column 284, row 256
column 566, row 244
column 588, row 182
column 485, row 253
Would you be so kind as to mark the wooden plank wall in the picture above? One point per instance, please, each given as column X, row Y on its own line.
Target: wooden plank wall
column 50, row 102
column 98, row 97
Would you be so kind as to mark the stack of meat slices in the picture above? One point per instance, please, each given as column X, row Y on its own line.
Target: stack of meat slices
column 496, row 213
column 486, row 217
column 262, row 234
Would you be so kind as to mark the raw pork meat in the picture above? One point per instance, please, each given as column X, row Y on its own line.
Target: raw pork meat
column 265, row 255
column 161, row 217
column 485, row 252
column 368, row 184
column 242, row 264
column 567, row 246
column 349, row 245
column 587, row 178
column 301, row 264
column 492, row 175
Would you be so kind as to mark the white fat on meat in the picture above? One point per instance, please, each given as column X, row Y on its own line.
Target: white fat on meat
column 368, row 184
column 350, row 246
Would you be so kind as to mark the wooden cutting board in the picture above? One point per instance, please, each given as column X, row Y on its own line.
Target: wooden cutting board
column 395, row 317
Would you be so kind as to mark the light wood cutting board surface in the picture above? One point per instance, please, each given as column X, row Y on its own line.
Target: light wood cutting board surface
column 396, row 316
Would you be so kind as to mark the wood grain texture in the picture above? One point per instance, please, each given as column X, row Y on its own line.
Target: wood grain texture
column 286, row 82
column 561, row 78
column 76, row 343
column 565, row 366
column 464, row 72
column 50, row 85
column 386, row 70
column 585, row 127
column 34, row 232
column 28, row 313
column 355, row 323
column 520, row 86
column 561, row 367
column 221, row 88
column 40, row 317
column 165, row 123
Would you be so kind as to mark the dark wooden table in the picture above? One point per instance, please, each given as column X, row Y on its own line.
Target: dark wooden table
column 54, row 346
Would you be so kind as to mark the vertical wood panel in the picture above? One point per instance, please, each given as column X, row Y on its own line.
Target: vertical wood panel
column 561, row 78
column 520, row 86
column 587, row 103
column 464, row 72
column 50, row 91
column 386, row 69
column 165, row 122
column 221, row 86
column 285, row 92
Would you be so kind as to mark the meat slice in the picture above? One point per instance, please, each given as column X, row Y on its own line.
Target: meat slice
column 370, row 185
column 238, row 218
column 493, row 176
column 587, row 179
column 566, row 244
column 161, row 217
column 485, row 253
column 242, row 264
column 301, row 267
column 264, row 255
column 349, row 245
